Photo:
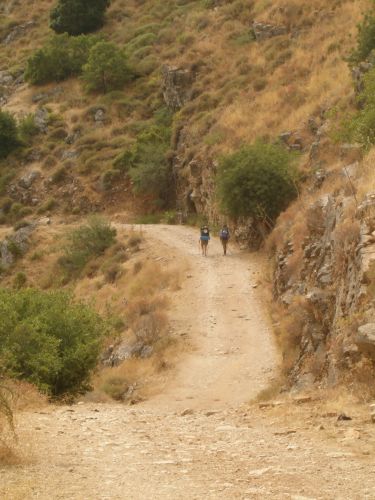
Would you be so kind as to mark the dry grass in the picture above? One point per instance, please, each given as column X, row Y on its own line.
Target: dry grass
column 346, row 237
column 315, row 62
column 15, row 397
column 289, row 324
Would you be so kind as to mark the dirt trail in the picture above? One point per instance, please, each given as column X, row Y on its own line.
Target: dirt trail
column 222, row 448
column 220, row 311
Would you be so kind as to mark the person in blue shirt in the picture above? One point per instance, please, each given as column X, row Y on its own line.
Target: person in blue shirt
column 224, row 237
column 204, row 239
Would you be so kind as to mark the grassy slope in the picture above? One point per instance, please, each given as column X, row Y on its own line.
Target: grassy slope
column 243, row 89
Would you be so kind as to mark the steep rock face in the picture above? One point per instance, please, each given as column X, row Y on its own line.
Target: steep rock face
column 332, row 288
column 176, row 86
column 15, row 245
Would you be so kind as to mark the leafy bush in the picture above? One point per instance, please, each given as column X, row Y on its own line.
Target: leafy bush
column 109, row 177
column 61, row 58
column 85, row 242
column 27, row 128
column 106, row 69
column 48, row 340
column 47, row 206
column 8, row 134
column 365, row 39
column 78, row 16
column 147, row 163
column 360, row 126
column 257, row 181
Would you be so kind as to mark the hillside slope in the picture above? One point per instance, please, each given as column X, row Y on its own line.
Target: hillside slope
column 233, row 89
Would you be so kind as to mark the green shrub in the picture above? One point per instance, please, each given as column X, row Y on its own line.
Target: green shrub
column 365, row 39
column 78, row 16
column 27, row 128
column 140, row 41
column 5, row 178
column 21, row 224
column 59, row 175
column 258, row 181
column 115, row 387
column 48, row 340
column 60, row 58
column 109, row 177
column 106, row 69
column 20, row 280
column 147, row 163
column 85, row 242
column 47, row 206
column 360, row 126
column 242, row 37
column 14, row 249
column 8, row 134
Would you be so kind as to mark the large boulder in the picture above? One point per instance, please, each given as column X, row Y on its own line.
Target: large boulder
column 28, row 179
column 15, row 245
column 176, row 86
column 41, row 119
column 365, row 338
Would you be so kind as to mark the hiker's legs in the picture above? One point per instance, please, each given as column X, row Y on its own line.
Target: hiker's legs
column 204, row 248
column 224, row 243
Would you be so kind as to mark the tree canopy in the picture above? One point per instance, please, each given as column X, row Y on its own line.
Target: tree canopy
column 78, row 16
column 257, row 181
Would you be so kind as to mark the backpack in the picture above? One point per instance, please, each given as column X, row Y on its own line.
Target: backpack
column 224, row 234
column 205, row 231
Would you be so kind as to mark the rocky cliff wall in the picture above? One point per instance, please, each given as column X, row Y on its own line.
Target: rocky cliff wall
column 331, row 295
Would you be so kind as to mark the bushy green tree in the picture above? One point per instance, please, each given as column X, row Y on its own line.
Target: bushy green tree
column 77, row 17
column 258, row 181
column 106, row 69
column 87, row 241
column 147, row 164
column 8, row 134
column 48, row 339
column 359, row 126
column 60, row 58
column 365, row 38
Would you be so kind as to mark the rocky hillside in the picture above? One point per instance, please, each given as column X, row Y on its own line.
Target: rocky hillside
column 229, row 73
column 207, row 78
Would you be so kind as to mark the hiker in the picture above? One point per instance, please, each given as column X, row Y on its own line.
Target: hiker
column 204, row 239
column 224, row 237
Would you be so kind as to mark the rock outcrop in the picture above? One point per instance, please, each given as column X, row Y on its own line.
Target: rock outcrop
column 15, row 245
column 330, row 290
column 264, row 31
column 176, row 86
column 18, row 31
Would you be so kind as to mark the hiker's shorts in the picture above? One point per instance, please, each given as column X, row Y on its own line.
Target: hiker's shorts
column 205, row 239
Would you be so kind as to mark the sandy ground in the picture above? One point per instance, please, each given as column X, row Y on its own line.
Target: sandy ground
column 219, row 311
column 200, row 438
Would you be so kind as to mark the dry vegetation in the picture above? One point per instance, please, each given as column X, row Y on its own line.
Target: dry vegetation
column 278, row 83
column 127, row 286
